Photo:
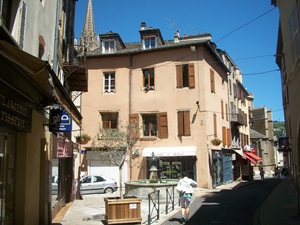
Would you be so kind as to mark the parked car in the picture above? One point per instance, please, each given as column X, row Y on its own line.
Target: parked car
column 97, row 184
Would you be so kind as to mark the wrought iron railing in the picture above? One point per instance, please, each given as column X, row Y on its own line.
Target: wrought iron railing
column 153, row 200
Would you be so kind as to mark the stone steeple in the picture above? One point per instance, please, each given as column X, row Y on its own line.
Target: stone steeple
column 88, row 37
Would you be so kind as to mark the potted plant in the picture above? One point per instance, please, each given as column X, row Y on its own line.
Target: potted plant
column 216, row 141
column 83, row 138
column 114, row 145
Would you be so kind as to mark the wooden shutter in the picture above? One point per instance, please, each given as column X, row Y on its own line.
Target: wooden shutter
column 215, row 124
column 212, row 81
column 162, row 125
column 191, row 75
column 179, row 76
column 180, row 123
column 228, row 137
column 226, row 111
column 222, row 109
column 187, row 122
column 134, row 125
column 224, row 133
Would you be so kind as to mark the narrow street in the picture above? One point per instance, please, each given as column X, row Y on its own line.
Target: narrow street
column 229, row 207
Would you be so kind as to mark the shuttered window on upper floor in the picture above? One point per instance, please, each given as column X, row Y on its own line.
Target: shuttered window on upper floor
column 183, row 118
column 185, row 75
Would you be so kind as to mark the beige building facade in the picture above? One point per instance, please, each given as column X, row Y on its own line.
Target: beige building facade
column 178, row 92
column 287, row 58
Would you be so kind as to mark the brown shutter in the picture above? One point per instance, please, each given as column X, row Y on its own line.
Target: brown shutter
column 187, row 122
column 212, row 81
column 134, row 125
column 228, row 137
column 226, row 110
column 224, row 133
column 179, row 76
column 180, row 123
column 222, row 109
column 215, row 124
column 191, row 75
column 162, row 125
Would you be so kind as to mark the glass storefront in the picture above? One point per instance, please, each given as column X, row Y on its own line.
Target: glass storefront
column 7, row 172
column 172, row 167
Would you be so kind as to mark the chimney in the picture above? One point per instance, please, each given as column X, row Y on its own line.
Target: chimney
column 143, row 25
column 176, row 37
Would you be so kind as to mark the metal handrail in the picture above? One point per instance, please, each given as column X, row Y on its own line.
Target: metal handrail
column 155, row 205
column 170, row 199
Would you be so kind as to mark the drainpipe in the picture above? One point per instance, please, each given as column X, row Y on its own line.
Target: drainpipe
column 55, row 61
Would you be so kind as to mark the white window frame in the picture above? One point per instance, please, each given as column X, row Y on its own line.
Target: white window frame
column 109, row 46
column 109, row 77
column 147, row 42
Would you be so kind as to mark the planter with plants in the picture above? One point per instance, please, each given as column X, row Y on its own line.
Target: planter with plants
column 83, row 138
column 216, row 141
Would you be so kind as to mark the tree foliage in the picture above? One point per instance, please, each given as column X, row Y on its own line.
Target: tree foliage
column 114, row 145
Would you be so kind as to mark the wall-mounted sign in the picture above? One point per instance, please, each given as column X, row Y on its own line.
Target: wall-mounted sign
column 60, row 120
column 14, row 113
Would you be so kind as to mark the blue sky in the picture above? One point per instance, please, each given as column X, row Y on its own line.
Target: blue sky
column 246, row 30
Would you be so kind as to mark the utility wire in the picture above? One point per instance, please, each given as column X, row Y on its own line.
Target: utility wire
column 244, row 25
column 268, row 71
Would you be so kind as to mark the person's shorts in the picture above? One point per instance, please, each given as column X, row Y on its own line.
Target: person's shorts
column 185, row 201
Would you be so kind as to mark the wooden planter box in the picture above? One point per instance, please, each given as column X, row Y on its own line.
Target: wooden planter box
column 122, row 211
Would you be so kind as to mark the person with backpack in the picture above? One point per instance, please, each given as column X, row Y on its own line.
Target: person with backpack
column 185, row 188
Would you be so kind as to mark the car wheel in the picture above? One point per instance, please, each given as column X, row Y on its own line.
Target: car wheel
column 108, row 190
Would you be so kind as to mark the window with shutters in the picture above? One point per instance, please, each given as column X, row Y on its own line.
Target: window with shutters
column 212, row 81
column 109, row 120
column 149, row 125
column 109, row 82
column 155, row 125
column 184, row 123
column 185, row 76
column 148, row 79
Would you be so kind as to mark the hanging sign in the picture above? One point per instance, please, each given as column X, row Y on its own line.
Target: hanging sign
column 60, row 120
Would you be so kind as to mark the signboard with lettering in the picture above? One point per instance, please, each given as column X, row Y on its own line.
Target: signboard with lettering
column 14, row 113
column 60, row 120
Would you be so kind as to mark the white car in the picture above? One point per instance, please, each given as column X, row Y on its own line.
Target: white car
column 97, row 184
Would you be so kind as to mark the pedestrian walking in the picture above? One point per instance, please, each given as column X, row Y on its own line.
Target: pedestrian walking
column 185, row 188
column 262, row 174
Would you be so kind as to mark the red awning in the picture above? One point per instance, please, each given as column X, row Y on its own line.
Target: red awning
column 252, row 157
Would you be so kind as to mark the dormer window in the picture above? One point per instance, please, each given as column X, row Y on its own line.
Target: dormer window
column 149, row 42
column 109, row 46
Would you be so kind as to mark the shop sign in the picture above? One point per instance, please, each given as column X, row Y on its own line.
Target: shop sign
column 14, row 114
column 60, row 120
column 64, row 149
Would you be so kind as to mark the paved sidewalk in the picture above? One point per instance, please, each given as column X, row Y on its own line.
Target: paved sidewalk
column 279, row 208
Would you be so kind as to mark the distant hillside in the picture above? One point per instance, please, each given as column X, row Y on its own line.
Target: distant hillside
column 279, row 129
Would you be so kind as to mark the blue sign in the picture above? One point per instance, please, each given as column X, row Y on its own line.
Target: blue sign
column 60, row 120
column 83, row 151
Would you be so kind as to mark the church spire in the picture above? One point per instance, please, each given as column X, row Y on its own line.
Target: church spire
column 88, row 36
